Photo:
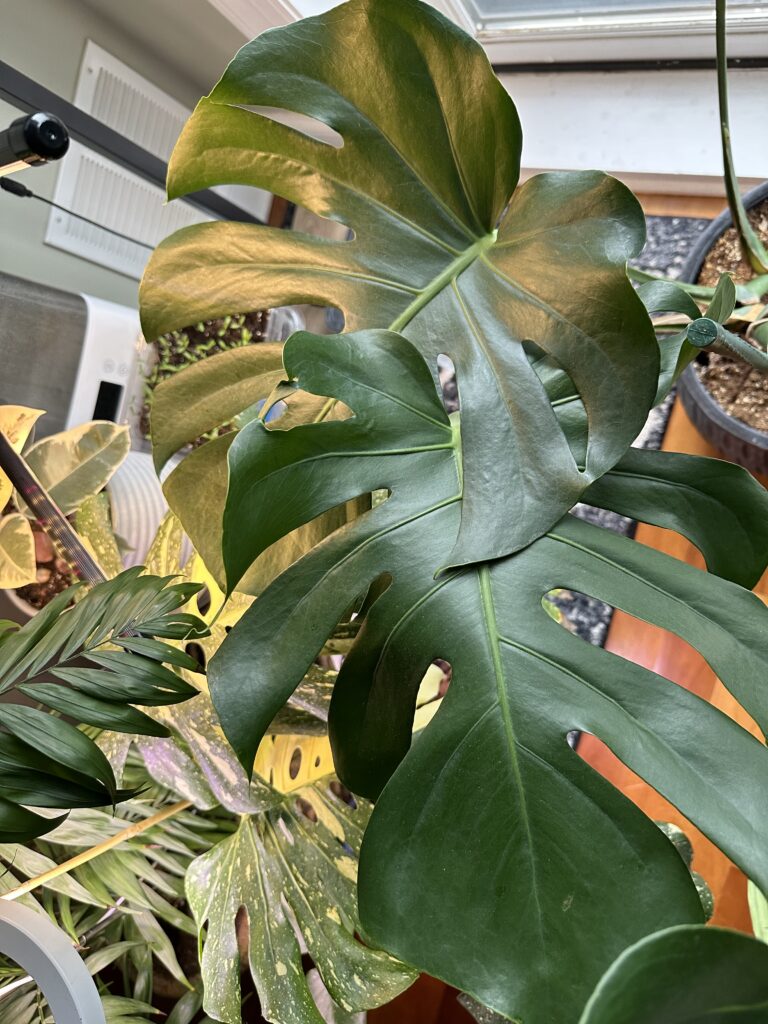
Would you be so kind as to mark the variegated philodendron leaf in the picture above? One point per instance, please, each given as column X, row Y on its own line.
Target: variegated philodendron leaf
column 296, row 864
column 16, row 423
column 77, row 463
column 17, row 552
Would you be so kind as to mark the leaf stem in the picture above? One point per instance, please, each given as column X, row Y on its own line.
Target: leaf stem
column 709, row 334
column 95, row 851
column 751, row 246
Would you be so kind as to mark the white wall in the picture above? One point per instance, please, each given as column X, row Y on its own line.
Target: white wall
column 647, row 126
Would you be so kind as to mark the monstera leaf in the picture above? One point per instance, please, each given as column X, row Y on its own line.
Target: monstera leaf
column 685, row 975
column 447, row 249
column 214, row 392
column 301, row 855
column 493, row 850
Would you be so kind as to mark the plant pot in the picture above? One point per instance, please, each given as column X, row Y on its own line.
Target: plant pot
column 736, row 440
column 14, row 607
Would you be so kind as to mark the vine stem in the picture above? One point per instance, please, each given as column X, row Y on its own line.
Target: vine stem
column 95, row 851
column 752, row 247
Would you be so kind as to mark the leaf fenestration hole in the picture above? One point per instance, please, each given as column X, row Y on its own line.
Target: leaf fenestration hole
column 340, row 791
column 295, row 766
column 446, row 374
column 305, row 808
column 579, row 613
column 203, row 600
column 194, row 650
column 312, row 127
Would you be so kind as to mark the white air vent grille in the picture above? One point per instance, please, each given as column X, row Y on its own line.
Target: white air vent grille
column 125, row 101
column 103, row 191
column 135, row 114
column 99, row 189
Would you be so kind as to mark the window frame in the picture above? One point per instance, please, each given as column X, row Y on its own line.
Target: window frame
column 674, row 33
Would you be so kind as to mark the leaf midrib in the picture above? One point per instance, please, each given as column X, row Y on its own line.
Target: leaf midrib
column 446, row 276
column 494, row 640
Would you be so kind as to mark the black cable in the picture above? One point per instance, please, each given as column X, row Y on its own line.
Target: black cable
column 17, row 189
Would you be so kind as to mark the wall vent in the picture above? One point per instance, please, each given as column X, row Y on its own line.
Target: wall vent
column 101, row 190
column 104, row 192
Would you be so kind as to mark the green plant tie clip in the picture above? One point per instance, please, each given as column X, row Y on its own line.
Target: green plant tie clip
column 708, row 333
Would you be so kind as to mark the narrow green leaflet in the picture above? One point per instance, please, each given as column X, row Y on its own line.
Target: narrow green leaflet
column 686, row 975
column 45, row 760
column 30, row 863
column 446, row 248
column 301, row 855
column 77, row 463
column 533, row 849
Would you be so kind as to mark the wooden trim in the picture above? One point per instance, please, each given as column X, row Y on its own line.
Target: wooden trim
column 681, row 206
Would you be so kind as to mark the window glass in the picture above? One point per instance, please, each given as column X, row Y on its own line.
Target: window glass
column 507, row 10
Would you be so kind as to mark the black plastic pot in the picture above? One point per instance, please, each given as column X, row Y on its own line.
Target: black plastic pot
column 735, row 440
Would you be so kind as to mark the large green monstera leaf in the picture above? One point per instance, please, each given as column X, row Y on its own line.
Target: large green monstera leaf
column 446, row 249
column 495, row 857
column 685, row 975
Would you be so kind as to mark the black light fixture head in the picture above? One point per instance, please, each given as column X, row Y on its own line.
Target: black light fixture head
column 32, row 139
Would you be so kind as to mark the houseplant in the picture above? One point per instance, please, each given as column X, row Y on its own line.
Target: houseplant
column 72, row 466
column 492, row 850
column 87, row 656
column 726, row 398
column 197, row 844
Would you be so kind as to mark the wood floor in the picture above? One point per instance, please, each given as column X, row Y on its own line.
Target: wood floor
column 671, row 657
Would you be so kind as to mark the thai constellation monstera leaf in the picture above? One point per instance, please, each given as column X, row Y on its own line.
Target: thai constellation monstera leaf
column 298, row 861
column 493, row 849
column 447, row 249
